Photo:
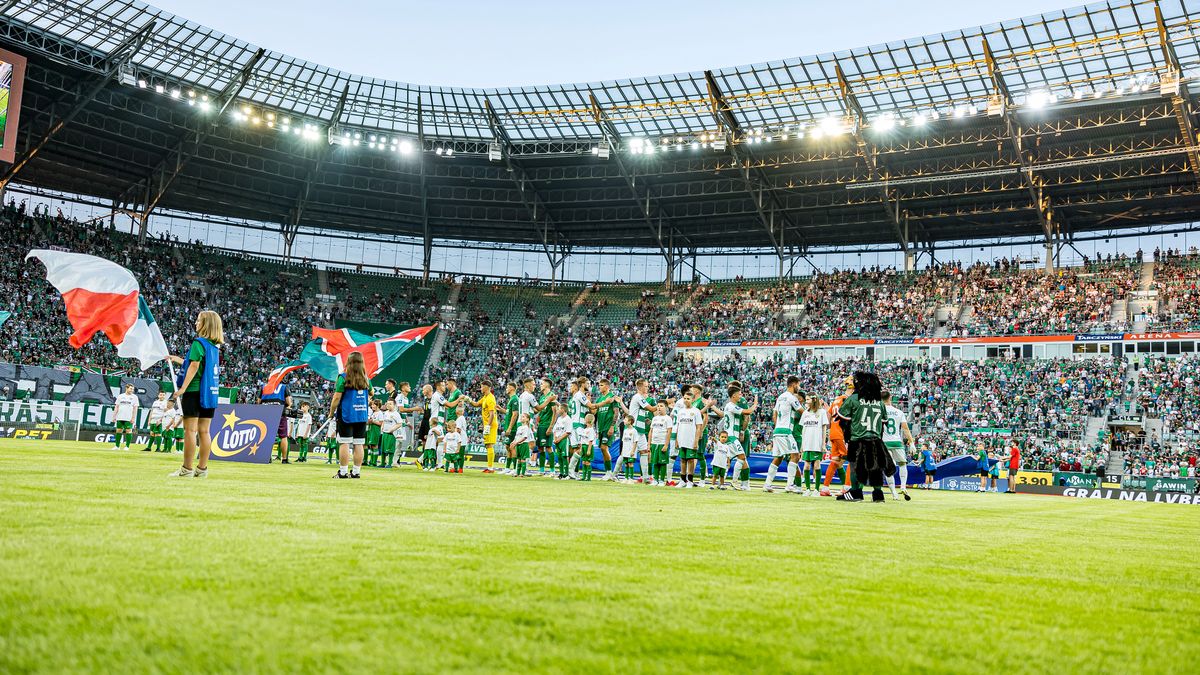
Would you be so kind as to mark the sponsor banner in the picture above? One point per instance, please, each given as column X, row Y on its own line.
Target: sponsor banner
column 1163, row 336
column 1099, row 337
column 1076, row 479
column 107, row 438
column 981, row 339
column 76, row 385
column 1040, row 478
column 244, row 433
column 36, row 432
column 1119, row 494
column 805, row 343
column 87, row 414
column 1159, row 484
column 994, row 340
column 967, row 484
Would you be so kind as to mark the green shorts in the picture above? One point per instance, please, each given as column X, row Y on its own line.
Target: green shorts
column 523, row 451
column 606, row 438
column 813, row 456
column 155, row 428
column 545, row 439
column 690, row 453
column 658, row 454
column 124, row 426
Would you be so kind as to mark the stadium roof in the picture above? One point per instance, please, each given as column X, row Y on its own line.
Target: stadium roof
column 1076, row 120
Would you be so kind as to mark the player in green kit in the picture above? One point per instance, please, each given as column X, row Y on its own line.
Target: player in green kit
column 641, row 407
column 604, row 408
column 798, row 436
column 373, row 434
column 511, row 409
column 736, row 422
column 547, row 414
column 560, row 435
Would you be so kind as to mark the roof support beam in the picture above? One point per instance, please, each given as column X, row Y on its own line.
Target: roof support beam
column 1179, row 104
column 869, row 154
column 653, row 216
column 771, row 211
column 538, row 212
column 1033, row 182
column 84, row 95
column 426, row 232
column 292, row 226
column 168, row 169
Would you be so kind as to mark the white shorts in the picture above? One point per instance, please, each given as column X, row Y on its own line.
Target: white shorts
column 643, row 444
column 782, row 446
column 896, row 450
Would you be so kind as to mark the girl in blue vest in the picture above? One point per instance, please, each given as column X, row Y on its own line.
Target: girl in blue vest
column 196, row 389
column 350, row 407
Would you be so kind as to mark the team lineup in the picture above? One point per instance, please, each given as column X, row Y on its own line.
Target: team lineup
column 561, row 437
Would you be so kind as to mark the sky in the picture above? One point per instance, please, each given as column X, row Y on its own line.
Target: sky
column 503, row 43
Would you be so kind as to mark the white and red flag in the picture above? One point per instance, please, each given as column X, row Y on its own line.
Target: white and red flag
column 102, row 296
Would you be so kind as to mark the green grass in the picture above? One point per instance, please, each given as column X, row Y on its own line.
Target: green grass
column 108, row 565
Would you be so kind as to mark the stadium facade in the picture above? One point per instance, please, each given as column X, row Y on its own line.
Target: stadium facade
column 1056, row 128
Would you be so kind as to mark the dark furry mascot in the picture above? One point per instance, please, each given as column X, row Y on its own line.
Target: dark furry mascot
column 863, row 415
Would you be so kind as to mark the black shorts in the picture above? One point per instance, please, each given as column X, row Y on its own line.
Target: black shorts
column 351, row 432
column 191, row 406
column 983, row 473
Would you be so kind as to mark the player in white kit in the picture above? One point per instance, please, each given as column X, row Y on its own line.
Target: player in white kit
column 896, row 437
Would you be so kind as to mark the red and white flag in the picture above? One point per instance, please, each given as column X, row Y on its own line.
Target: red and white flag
column 102, row 296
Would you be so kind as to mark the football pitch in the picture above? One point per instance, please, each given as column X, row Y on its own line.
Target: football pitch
column 108, row 565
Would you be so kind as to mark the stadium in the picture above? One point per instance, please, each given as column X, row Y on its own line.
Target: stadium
column 881, row 357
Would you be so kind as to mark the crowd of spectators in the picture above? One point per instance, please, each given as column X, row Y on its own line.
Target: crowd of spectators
column 1167, row 390
column 501, row 333
column 1177, row 282
column 1009, row 301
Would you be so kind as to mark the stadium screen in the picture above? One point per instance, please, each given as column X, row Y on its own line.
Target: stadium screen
column 12, row 81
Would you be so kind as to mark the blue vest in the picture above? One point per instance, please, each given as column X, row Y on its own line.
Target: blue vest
column 353, row 408
column 210, row 381
column 279, row 396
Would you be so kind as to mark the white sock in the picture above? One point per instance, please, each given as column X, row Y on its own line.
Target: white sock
column 737, row 466
column 792, row 470
column 573, row 464
column 355, row 470
column 344, row 469
column 670, row 469
column 644, row 465
column 904, row 476
column 771, row 471
column 891, row 483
